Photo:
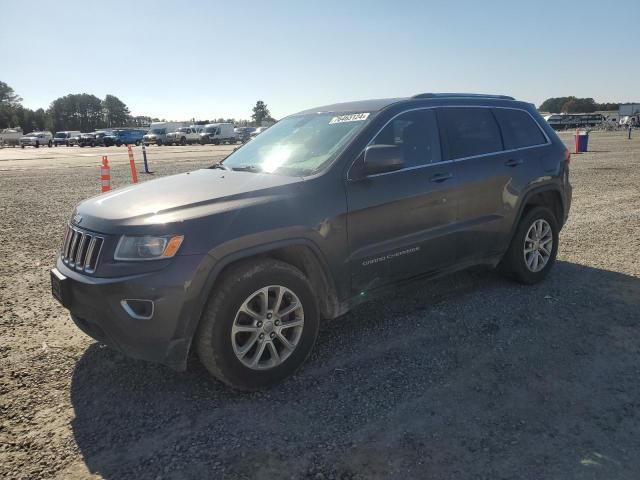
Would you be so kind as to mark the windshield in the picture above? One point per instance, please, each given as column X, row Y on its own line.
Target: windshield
column 183, row 129
column 211, row 129
column 157, row 131
column 61, row 135
column 298, row 145
column 32, row 134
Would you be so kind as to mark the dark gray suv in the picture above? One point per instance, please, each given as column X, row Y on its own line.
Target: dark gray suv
column 321, row 211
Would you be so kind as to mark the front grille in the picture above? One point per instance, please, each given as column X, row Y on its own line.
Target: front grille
column 81, row 249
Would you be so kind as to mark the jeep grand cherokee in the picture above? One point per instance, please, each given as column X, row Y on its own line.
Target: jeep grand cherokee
column 241, row 260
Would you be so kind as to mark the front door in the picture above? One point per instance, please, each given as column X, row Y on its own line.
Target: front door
column 401, row 223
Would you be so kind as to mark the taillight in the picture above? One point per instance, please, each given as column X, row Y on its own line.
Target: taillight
column 567, row 156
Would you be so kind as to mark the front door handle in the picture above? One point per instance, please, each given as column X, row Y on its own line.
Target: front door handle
column 513, row 162
column 441, row 177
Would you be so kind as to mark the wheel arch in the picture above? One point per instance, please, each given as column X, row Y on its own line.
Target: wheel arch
column 301, row 253
column 548, row 196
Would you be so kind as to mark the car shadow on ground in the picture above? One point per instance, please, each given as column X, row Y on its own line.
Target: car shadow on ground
column 466, row 375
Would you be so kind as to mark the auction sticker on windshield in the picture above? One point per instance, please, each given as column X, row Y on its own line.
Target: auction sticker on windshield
column 353, row 117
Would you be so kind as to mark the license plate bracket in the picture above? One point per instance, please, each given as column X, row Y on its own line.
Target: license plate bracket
column 60, row 288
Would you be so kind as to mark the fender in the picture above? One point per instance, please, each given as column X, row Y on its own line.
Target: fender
column 212, row 267
column 549, row 187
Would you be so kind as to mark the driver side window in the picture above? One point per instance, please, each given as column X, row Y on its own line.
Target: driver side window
column 416, row 133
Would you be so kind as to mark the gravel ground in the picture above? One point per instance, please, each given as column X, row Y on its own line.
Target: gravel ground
column 469, row 376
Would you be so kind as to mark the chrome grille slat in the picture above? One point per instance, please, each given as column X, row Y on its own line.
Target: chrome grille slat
column 80, row 252
column 87, row 259
column 81, row 249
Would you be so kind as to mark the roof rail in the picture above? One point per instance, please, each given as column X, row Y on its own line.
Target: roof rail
column 461, row 95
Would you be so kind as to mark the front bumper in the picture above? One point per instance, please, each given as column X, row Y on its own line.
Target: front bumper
column 95, row 305
column 153, row 140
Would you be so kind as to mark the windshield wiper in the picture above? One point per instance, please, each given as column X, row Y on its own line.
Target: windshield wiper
column 220, row 166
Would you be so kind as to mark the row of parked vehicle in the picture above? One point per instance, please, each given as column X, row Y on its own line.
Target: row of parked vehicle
column 159, row 133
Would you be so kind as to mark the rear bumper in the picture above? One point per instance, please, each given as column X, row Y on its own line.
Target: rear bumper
column 95, row 305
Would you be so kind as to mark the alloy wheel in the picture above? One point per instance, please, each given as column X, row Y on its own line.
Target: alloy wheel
column 267, row 327
column 538, row 245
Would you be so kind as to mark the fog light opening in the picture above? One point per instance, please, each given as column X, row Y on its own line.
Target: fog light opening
column 138, row 309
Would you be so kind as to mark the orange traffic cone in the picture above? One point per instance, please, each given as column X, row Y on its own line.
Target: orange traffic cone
column 132, row 165
column 105, row 174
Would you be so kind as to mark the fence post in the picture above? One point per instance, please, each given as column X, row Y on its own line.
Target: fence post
column 144, row 156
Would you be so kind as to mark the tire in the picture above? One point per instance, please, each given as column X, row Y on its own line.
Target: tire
column 50, row 144
column 183, row 141
column 21, row 146
column 118, row 143
column 204, row 140
column 514, row 263
column 159, row 143
column 137, row 143
column 214, row 341
column 55, row 145
column 37, row 144
column 216, row 141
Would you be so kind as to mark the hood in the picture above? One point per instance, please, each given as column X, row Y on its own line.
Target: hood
column 181, row 197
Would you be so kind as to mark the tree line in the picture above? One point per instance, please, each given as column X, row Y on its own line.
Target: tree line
column 86, row 112
column 575, row 105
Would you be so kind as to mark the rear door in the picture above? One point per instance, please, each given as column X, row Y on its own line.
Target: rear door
column 493, row 163
column 400, row 223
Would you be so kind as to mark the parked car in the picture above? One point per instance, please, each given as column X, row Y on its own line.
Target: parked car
column 62, row 138
column 36, row 139
column 243, row 134
column 74, row 140
column 158, row 132
column 94, row 139
column 124, row 136
column 10, row 136
column 185, row 135
column 333, row 206
column 218, row 133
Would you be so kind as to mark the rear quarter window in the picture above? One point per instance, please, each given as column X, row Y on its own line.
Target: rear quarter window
column 470, row 131
column 518, row 129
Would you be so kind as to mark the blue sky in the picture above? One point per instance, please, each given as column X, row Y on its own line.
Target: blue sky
column 207, row 59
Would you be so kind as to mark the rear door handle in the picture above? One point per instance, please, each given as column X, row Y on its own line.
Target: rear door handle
column 441, row 177
column 513, row 162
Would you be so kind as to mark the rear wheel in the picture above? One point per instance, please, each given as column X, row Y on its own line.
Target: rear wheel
column 183, row 141
column 533, row 248
column 259, row 326
column 204, row 140
column 137, row 143
column 50, row 144
column 37, row 144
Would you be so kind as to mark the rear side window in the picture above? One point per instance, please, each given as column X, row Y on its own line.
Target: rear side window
column 416, row 133
column 518, row 128
column 470, row 131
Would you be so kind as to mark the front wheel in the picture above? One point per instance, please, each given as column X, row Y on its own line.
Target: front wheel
column 50, row 144
column 137, row 143
column 37, row 144
column 533, row 248
column 183, row 141
column 259, row 326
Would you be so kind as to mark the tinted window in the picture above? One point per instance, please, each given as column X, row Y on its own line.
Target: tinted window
column 416, row 133
column 518, row 128
column 470, row 131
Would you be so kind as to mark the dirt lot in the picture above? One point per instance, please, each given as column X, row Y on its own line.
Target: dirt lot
column 469, row 376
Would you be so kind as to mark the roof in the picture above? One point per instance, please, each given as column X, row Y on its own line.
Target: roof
column 380, row 103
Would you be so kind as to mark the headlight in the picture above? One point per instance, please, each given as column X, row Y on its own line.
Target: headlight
column 147, row 247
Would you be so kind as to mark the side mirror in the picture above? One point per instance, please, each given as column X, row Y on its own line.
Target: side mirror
column 382, row 159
